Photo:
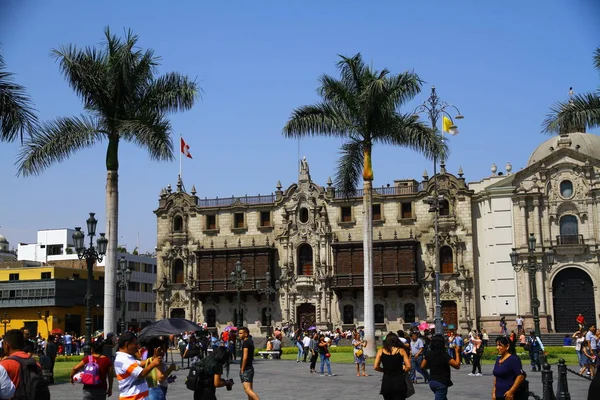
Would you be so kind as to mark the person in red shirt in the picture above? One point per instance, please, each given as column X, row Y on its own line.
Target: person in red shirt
column 14, row 341
column 581, row 321
column 105, row 369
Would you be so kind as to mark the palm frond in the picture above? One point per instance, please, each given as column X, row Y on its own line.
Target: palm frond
column 349, row 167
column 17, row 114
column 318, row 119
column 404, row 131
column 597, row 59
column 172, row 92
column 352, row 72
column 152, row 133
column 55, row 141
column 336, row 93
column 582, row 112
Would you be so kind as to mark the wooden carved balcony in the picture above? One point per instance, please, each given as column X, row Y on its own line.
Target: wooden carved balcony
column 380, row 280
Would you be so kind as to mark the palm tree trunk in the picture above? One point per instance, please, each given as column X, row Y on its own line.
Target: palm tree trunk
column 112, row 234
column 369, row 310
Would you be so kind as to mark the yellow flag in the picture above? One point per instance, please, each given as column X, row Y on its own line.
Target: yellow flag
column 448, row 126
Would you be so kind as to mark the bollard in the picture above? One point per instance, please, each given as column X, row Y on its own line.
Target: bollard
column 562, row 387
column 548, row 390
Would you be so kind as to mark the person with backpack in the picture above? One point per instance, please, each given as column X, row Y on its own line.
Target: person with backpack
column 534, row 346
column 22, row 369
column 206, row 375
column 477, row 352
column 7, row 387
column 98, row 374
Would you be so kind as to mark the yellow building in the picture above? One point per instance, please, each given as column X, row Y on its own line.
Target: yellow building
column 50, row 297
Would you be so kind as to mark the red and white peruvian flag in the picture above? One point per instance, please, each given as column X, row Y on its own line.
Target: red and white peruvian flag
column 185, row 149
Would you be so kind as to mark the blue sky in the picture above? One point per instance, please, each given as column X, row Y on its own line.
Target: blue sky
column 502, row 63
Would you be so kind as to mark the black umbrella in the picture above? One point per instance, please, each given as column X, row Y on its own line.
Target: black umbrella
column 168, row 326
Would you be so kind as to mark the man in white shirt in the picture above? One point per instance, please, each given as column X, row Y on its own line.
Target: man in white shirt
column 519, row 321
column 68, row 338
column 7, row 387
column 306, row 345
column 129, row 370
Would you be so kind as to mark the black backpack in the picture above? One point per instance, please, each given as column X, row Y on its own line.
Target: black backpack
column 196, row 379
column 32, row 385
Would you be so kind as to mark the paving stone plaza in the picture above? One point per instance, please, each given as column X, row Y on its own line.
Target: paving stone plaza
column 282, row 380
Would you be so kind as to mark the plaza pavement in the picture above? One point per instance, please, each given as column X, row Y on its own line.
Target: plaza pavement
column 283, row 380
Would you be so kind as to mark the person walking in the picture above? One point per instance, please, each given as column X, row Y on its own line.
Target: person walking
column 508, row 374
column 503, row 330
column 519, row 322
column 359, row 355
column 314, row 352
column 299, row 344
column 246, row 368
column 393, row 361
column 324, row 356
column 417, row 349
column 439, row 363
column 306, row 345
column 534, row 346
column 105, row 370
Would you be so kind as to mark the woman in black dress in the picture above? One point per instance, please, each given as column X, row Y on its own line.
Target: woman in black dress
column 394, row 362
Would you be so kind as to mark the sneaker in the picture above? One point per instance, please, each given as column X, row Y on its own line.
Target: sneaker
column 297, row 361
column 471, row 374
column 321, row 374
column 478, row 374
column 332, row 375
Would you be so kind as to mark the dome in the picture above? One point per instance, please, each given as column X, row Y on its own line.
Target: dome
column 585, row 143
column 3, row 239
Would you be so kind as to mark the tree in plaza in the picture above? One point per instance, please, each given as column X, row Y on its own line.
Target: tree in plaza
column 124, row 99
column 581, row 111
column 363, row 108
column 16, row 111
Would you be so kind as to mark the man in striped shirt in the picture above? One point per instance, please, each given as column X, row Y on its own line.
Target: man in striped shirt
column 129, row 370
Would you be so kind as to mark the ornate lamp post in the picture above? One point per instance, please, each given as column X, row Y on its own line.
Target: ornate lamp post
column 269, row 290
column 91, row 255
column 238, row 278
column 435, row 109
column 5, row 321
column 532, row 266
column 123, row 278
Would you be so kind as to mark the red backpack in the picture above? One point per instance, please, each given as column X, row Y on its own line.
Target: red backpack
column 91, row 373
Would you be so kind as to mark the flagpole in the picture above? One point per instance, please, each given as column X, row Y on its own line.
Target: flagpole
column 180, row 138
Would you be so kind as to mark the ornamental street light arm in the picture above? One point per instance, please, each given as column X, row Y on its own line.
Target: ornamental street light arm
column 123, row 279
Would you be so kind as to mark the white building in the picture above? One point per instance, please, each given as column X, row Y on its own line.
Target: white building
column 56, row 245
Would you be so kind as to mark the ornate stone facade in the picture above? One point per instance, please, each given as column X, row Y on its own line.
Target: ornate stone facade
column 310, row 239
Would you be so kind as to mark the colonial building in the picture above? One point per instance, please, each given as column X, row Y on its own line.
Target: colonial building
column 555, row 199
column 309, row 238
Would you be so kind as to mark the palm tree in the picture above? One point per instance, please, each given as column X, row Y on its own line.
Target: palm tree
column 581, row 111
column 16, row 110
column 124, row 99
column 362, row 107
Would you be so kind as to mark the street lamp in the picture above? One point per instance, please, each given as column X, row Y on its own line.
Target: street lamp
column 238, row 278
column 123, row 278
column 91, row 255
column 5, row 321
column 435, row 108
column 532, row 266
column 269, row 290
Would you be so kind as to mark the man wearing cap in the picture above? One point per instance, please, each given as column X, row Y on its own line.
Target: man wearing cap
column 535, row 346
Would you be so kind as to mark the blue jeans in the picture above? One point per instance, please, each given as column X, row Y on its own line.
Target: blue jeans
column 415, row 364
column 157, row 393
column 535, row 360
column 439, row 390
column 300, row 351
column 325, row 360
column 68, row 349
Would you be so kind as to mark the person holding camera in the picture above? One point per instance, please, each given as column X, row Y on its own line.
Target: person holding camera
column 212, row 367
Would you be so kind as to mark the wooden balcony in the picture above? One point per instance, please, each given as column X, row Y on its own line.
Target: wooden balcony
column 380, row 280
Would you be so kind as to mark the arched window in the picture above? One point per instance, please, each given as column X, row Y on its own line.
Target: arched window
column 444, row 207
column 211, row 318
column 446, row 260
column 178, row 223
column 305, row 260
column 569, row 230
column 409, row 312
column 348, row 314
column 304, row 215
column 566, row 189
column 379, row 314
column 177, row 271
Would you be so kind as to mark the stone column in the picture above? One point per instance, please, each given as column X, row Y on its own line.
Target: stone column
column 525, row 301
column 323, row 303
column 463, row 300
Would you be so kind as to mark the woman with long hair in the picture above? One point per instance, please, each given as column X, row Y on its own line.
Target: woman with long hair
column 508, row 374
column 394, row 362
column 157, row 379
column 439, row 362
column 359, row 356
column 213, row 366
column 105, row 370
